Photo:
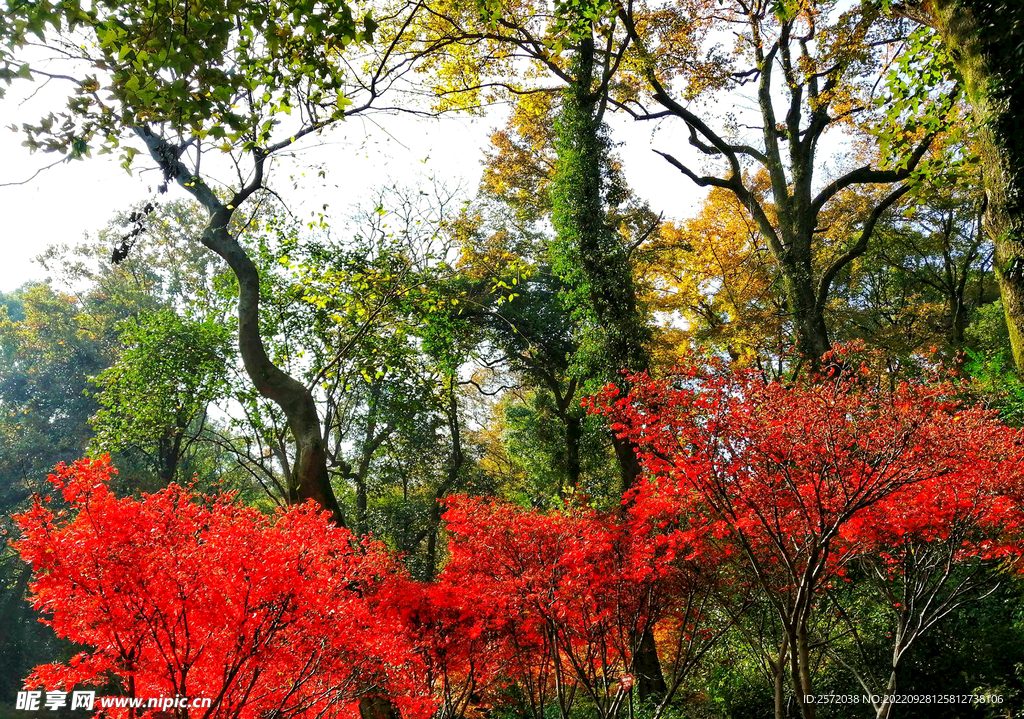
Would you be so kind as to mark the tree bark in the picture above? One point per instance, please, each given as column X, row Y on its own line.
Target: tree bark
column 589, row 255
column 885, row 710
column 803, row 670
column 309, row 477
column 572, row 428
column 650, row 678
column 780, row 679
column 807, row 314
column 984, row 40
column 362, row 502
column 629, row 465
column 573, row 434
column 455, row 462
column 169, row 456
column 377, row 707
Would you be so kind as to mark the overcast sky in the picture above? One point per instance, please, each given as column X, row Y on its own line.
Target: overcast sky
column 63, row 203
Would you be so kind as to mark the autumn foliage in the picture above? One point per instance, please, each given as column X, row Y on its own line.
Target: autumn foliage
column 805, row 477
column 796, row 484
column 568, row 596
column 754, row 489
column 181, row 594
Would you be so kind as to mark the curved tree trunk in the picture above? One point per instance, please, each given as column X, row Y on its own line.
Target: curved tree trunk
column 310, row 478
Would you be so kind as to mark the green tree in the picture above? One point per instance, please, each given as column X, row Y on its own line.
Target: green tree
column 155, row 397
column 589, row 256
column 47, row 354
column 923, row 281
column 243, row 79
column 536, row 333
column 815, row 73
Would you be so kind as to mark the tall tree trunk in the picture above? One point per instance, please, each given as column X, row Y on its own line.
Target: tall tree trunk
column 167, row 458
column 377, row 707
column 362, row 502
column 310, row 478
column 573, row 435
column 650, row 678
column 572, row 430
column 629, row 465
column 885, row 709
column 169, row 453
column 590, row 258
column 455, row 462
column 780, row 679
column 984, row 38
column 803, row 682
column 588, row 254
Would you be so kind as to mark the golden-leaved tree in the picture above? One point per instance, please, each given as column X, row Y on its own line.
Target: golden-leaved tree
column 815, row 78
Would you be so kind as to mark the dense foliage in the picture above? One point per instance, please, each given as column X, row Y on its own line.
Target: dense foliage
column 181, row 594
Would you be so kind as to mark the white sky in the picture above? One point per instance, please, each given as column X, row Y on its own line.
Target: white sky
column 69, row 200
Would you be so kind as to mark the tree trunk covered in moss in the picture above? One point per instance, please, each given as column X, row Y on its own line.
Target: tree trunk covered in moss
column 986, row 41
column 589, row 256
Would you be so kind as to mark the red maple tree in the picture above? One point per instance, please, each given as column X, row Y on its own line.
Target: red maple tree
column 753, row 488
column 794, row 482
column 180, row 594
column 454, row 636
column 569, row 596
